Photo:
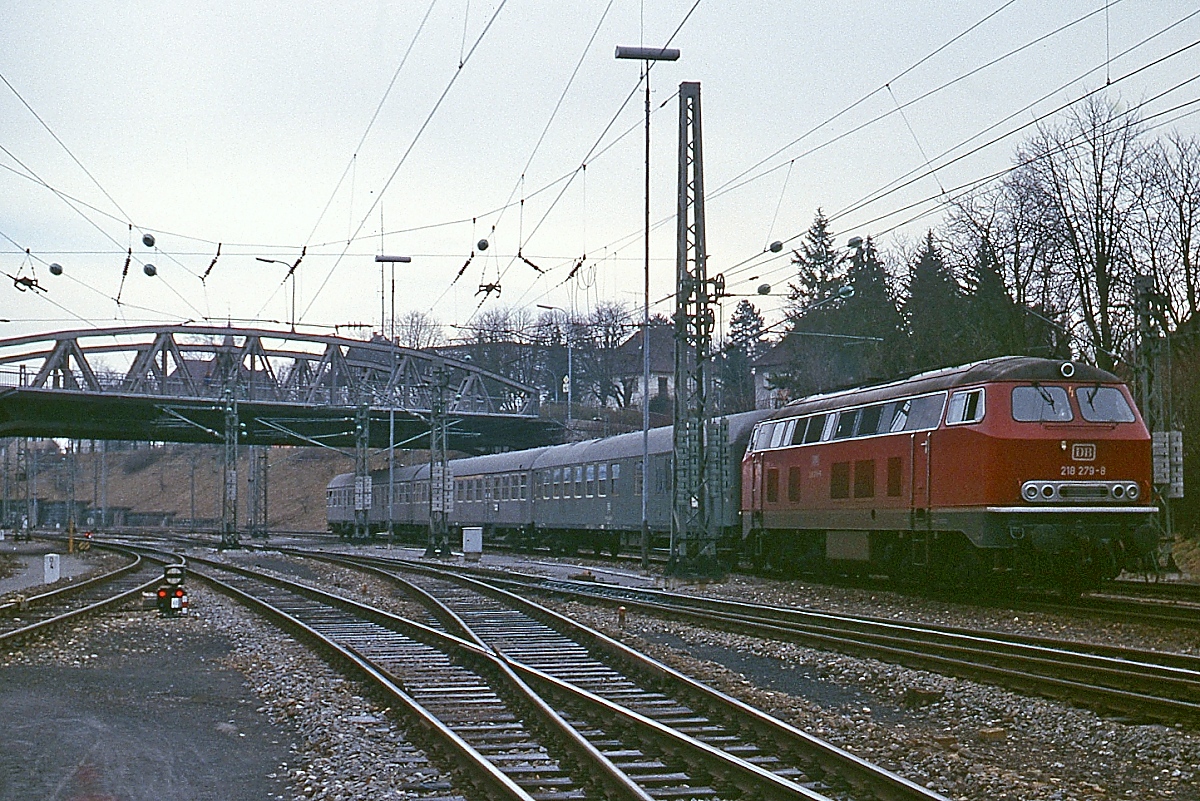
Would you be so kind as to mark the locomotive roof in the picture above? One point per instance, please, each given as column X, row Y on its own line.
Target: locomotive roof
column 1004, row 368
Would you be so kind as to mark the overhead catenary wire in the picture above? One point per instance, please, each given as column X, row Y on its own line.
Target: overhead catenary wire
column 403, row 158
column 752, row 262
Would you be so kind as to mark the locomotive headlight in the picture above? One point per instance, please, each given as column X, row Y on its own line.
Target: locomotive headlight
column 1030, row 491
column 1048, row 491
column 1118, row 491
column 1132, row 492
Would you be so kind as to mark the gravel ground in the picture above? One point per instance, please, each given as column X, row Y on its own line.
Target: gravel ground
column 967, row 740
column 964, row 739
column 309, row 731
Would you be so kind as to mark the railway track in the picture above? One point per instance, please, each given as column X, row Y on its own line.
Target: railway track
column 1141, row 685
column 35, row 613
column 526, row 703
column 1123, row 603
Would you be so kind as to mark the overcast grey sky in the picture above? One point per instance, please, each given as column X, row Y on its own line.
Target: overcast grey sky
column 241, row 124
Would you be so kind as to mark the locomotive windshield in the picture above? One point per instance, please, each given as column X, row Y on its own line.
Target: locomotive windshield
column 1103, row 405
column 1041, row 404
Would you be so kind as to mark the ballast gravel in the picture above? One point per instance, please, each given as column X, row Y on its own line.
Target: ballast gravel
column 964, row 739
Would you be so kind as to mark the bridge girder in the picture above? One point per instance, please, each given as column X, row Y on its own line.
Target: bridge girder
column 170, row 383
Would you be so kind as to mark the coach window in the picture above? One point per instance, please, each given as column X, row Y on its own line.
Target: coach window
column 524, row 486
column 616, row 474
column 557, row 481
column 1038, row 404
column 639, row 479
column 845, row 424
column 965, row 407
column 578, row 481
column 917, row 414
column 765, row 433
column 590, row 491
column 772, row 485
column 602, row 480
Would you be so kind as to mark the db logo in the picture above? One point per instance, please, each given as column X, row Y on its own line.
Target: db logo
column 1083, row 452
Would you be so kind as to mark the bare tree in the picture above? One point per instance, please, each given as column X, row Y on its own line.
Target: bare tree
column 1088, row 169
column 1171, row 222
column 419, row 330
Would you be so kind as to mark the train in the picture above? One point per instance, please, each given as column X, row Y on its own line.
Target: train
column 1013, row 471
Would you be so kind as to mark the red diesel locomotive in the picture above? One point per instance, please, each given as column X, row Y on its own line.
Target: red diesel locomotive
column 1011, row 471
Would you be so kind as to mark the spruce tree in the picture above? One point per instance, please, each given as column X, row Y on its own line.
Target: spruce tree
column 936, row 312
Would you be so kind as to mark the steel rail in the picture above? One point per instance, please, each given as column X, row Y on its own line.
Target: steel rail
column 614, row 782
column 52, row 602
column 746, row 776
column 1055, row 668
column 468, row 762
column 857, row 772
column 63, row 592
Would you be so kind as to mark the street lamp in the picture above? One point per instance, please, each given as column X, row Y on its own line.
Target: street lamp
column 392, row 260
column 567, row 334
column 646, row 55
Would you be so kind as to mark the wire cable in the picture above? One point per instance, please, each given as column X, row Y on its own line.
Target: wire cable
column 403, row 158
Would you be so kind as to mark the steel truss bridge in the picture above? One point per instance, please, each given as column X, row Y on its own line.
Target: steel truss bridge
column 178, row 383
column 256, row 387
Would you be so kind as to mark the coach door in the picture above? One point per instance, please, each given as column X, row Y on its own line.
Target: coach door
column 921, row 444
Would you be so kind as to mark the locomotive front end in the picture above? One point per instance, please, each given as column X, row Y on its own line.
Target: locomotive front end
column 1077, row 485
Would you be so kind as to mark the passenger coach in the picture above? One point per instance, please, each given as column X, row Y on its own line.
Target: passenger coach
column 1025, row 469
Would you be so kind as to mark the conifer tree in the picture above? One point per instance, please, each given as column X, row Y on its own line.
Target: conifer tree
column 936, row 311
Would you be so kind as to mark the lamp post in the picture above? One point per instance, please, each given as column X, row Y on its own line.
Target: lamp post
column 392, row 260
column 646, row 55
column 567, row 336
column 391, row 493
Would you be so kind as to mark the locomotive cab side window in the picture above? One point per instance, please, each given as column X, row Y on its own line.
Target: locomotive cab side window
column 1041, row 404
column 965, row 407
column 812, row 432
column 1100, row 404
column 845, row 424
column 868, row 421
